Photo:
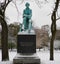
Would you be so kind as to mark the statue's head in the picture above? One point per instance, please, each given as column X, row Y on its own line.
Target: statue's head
column 27, row 4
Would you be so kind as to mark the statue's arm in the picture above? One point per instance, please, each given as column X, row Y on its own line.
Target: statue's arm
column 25, row 15
column 30, row 15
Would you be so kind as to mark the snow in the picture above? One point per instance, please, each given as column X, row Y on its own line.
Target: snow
column 43, row 55
column 45, row 58
column 12, row 54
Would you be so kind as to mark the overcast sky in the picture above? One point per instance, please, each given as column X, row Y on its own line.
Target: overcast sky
column 40, row 15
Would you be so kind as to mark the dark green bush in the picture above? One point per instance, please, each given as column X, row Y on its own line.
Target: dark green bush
column 12, row 45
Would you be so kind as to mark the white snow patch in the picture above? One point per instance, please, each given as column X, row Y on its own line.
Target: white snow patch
column 43, row 55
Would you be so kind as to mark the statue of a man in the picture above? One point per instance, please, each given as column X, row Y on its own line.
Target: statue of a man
column 27, row 14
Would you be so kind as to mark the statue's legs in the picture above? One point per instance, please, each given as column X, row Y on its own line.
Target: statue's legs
column 26, row 23
column 30, row 26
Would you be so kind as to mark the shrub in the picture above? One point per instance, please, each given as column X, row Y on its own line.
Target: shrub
column 12, row 45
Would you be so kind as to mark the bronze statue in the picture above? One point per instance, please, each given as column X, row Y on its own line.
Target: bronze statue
column 27, row 14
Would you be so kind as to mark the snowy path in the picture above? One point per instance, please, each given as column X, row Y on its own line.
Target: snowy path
column 43, row 55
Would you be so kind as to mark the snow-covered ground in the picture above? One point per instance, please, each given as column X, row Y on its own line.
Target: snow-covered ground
column 43, row 55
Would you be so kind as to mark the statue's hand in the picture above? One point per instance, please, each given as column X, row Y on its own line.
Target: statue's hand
column 29, row 16
column 25, row 15
column 30, row 20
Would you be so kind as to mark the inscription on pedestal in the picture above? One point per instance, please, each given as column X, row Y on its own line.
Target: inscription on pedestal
column 26, row 43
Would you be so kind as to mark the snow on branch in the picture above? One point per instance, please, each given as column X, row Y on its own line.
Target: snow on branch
column 58, row 18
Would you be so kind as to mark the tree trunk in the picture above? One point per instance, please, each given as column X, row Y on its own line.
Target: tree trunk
column 4, row 33
column 53, row 30
column 4, row 39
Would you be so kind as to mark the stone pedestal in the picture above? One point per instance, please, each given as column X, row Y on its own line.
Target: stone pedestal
column 26, row 59
column 26, row 42
column 26, row 49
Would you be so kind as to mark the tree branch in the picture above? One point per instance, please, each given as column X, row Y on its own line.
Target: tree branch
column 57, row 18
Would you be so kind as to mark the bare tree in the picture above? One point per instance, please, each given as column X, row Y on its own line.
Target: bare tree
column 4, row 33
column 53, row 25
column 53, row 29
column 4, row 39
